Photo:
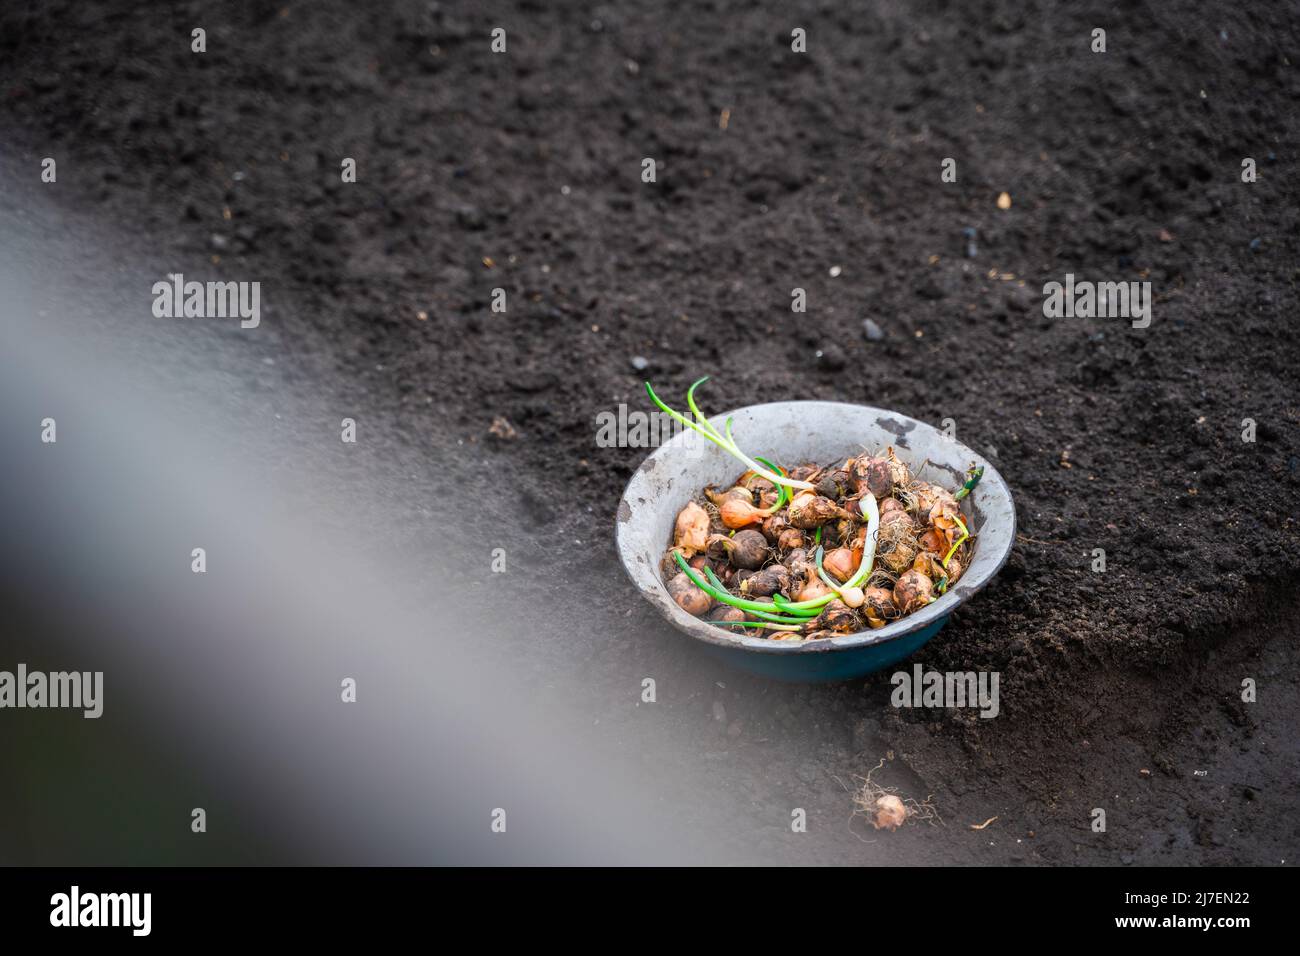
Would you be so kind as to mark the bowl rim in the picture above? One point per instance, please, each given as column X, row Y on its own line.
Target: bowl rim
column 969, row 585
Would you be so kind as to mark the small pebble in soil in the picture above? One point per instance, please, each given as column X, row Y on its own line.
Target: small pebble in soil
column 1256, row 244
column 831, row 358
column 873, row 331
column 969, row 233
column 640, row 363
column 835, row 271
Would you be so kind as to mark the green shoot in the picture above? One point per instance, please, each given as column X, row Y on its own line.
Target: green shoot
column 868, row 551
column 695, row 409
column 973, row 477
column 872, row 512
column 959, row 542
column 775, row 618
column 762, row 610
column 816, row 604
column 787, row 607
column 725, row 443
column 782, row 492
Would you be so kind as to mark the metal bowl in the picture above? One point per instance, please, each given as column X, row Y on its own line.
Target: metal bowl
column 789, row 433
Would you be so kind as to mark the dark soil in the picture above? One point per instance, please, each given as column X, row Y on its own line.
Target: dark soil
column 1120, row 689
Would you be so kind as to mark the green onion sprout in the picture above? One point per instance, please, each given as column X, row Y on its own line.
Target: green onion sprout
column 973, row 477
column 959, row 542
column 719, row 593
column 726, row 443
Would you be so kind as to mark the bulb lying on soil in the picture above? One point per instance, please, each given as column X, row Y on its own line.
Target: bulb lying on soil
column 890, row 813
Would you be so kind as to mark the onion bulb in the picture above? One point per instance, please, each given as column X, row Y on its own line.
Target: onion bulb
column 725, row 612
column 791, row 539
column 739, row 492
column 853, row 597
column 838, row 563
column 767, row 582
column 874, row 475
column 890, row 813
column 691, row 531
column 902, row 477
column 838, row 617
column 813, row 590
column 927, row 562
column 913, row 591
column 925, row 497
column 748, row 549
column 739, row 514
column 688, row 597
column 834, row 483
column 946, row 518
column 809, row 511
column 878, row 607
column 932, row 540
column 773, row 525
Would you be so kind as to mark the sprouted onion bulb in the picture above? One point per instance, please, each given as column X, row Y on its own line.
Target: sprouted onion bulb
column 853, row 597
column 737, row 513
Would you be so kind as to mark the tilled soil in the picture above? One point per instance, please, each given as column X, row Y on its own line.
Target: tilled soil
column 1120, row 689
